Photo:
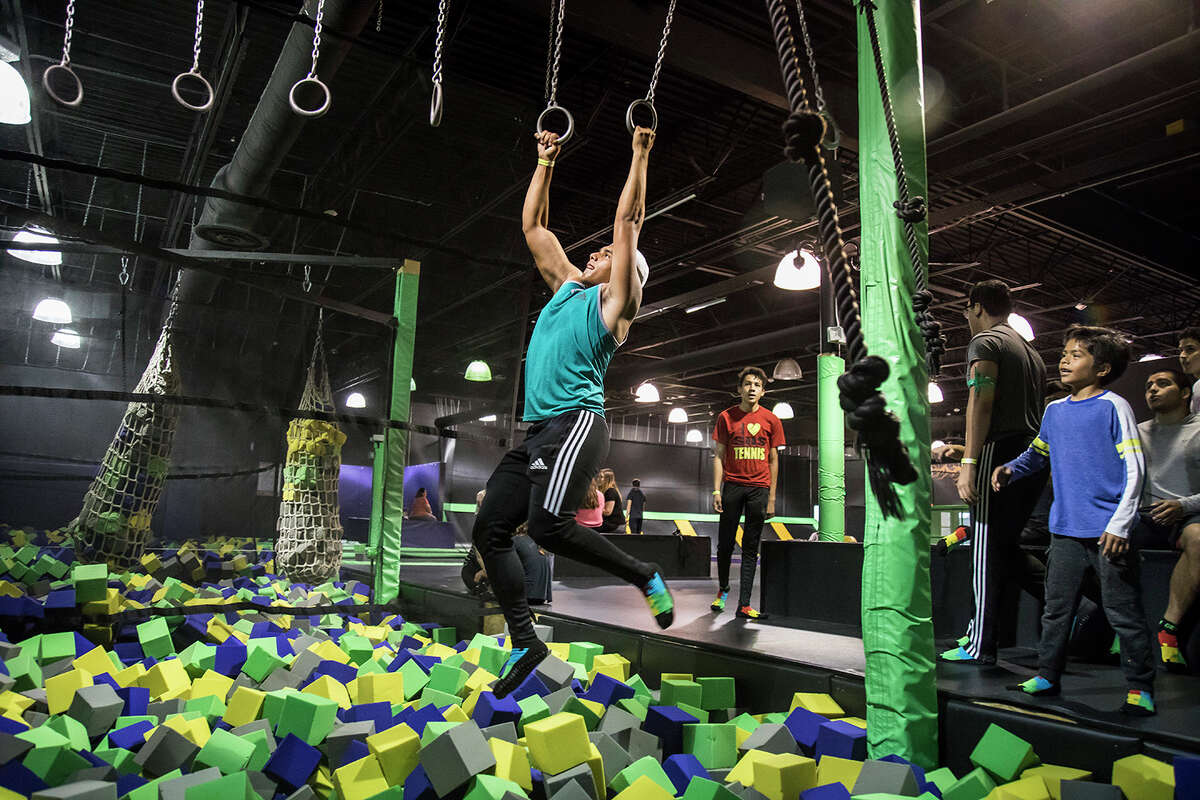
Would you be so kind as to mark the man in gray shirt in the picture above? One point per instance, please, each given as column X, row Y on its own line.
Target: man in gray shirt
column 1171, row 497
column 1006, row 380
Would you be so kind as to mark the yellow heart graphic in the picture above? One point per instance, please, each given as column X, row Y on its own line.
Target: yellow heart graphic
column 753, row 428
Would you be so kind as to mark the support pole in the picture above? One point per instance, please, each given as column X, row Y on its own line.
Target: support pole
column 831, row 428
column 395, row 445
column 896, row 603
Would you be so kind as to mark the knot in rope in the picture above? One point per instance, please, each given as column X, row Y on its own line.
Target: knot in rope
column 911, row 210
column 878, row 430
column 802, row 132
column 931, row 330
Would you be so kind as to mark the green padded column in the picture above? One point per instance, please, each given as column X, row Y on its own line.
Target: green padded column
column 831, row 450
column 378, row 466
column 387, row 562
column 897, row 626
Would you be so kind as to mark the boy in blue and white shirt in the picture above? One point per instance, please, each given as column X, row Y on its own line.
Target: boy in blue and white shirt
column 1090, row 439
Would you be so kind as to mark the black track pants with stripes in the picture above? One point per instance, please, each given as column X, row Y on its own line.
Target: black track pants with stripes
column 543, row 481
column 997, row 557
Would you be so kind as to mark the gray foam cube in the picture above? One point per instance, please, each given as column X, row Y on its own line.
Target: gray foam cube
column 638, row 744
column 885, row 777
column 79, row 790
column 176, row 788
column 9, row 650
column 35, row 719
column 281, row 678
column 305, row 662
column 505, row 730
column 455, row 757
column 6, row 683
column 241, row 680
column 303, row 793
column 617, row 719
column 165, row 708
column 544, row 632
column 165, row 750
column 571, row 790
column 97, row 707
column 580, row 775
column 251, row 727
column 719, row 775
column 105, row 773
column 745, row 792
column 261, row 784
column 57, row 668
column 14, row 749
column 38, row 696
column 614, row 756
column 556, row 700
column 554, row 673
column 770, row 737
column 1086, row 790
column 339, row 739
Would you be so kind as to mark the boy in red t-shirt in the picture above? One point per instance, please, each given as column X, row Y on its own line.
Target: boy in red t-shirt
column 744, row 476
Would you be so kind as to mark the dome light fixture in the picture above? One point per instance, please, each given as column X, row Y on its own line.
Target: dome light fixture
column 787, row 369
column 1151, row 357
column 936, row 443
column 14, row 96
column 356, row 400
column 646, row 393
column 677, row 415
column 478, row 371
column 798, row 277
column 1021, row 326
column 935, row 393
column 488, row 418
column 35, row 235
column 784, row 410
column 694, row 436
column 65, row 337
column 53, row 310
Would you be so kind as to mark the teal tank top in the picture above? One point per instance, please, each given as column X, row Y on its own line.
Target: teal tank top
column 568, row 355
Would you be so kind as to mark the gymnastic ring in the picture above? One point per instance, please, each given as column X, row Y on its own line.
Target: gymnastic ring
column 54, row 95
column 564, row 138
column 629, row 123
column 435, row 106
column 310, row 112
column 206, row 105
column 831, row 130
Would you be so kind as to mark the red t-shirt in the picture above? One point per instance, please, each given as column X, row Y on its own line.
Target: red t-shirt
column 747, row 438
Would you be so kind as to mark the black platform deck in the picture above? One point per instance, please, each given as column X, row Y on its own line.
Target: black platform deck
column 771, row 661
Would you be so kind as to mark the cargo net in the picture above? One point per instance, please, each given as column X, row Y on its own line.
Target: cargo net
column 120, row 502
column 309, row 545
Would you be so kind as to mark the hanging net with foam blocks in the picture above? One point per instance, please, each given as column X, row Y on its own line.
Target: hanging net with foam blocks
column 309, row 545
column 119, row 504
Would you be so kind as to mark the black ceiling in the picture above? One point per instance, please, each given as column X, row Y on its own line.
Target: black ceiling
column 1062, row 154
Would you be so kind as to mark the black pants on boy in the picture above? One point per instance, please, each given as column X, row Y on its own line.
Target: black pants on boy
column 635, row 524
column 737, row 498
column 543, row 481
column 997, row 558
column 1121, row 594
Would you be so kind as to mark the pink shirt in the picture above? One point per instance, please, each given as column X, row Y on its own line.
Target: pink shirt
column 592, row 517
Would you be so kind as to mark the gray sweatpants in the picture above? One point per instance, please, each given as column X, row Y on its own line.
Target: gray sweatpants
column 1121, row 592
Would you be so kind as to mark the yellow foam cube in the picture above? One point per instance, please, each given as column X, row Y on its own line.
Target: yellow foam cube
column 856, row 721
column 479, row 679
column 376, row 633
column 595, row 762
column 1031, row 788
column 644, row 788
column 831, row 769
column 740, row 735
column 60, row 690
column 397, row 751
column 95, row 661
column 440, row 650
column 244, row 706
column 818, row 703
column 166, row 677
column 781, row 776
column 677, row 676
column 614, row 665
column 471, row 655
column 328, row 651
column 1144, row 778
column 360, row 779
column 455, row 713
column 560, row 650
column 1054, row 775
column 376, row 687
column 212, row 684
column 743, row 770
column 13, row 703
column 131, row 676
column 468, row 705
column 327, row 687
column 512, row 763
column 558, row 742
column 195, row 730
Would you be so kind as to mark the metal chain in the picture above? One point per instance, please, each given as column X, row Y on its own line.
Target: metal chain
column 124, row 276
column 812, row 61
column 316, row 51
column 662, row 50
column 562, row 7
column 307, row 284
column 199, row 34
column 169, row 324
column 66, row 56
column 437, row 47
column 379, row 18
column 137, row 214
column 87, row 210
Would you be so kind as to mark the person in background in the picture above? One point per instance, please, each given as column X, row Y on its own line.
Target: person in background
column 1005, row 380
column 1170, row 510
column 1090, row 439
column 635, row 504
column 539, row 569
column 420, row 506
column 745, row 473
column 591, row 509
column 614, row 517
column 1189, row 362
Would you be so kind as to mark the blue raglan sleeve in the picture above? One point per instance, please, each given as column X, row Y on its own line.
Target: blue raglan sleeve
column 1128, row 444
column 1037, row 456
